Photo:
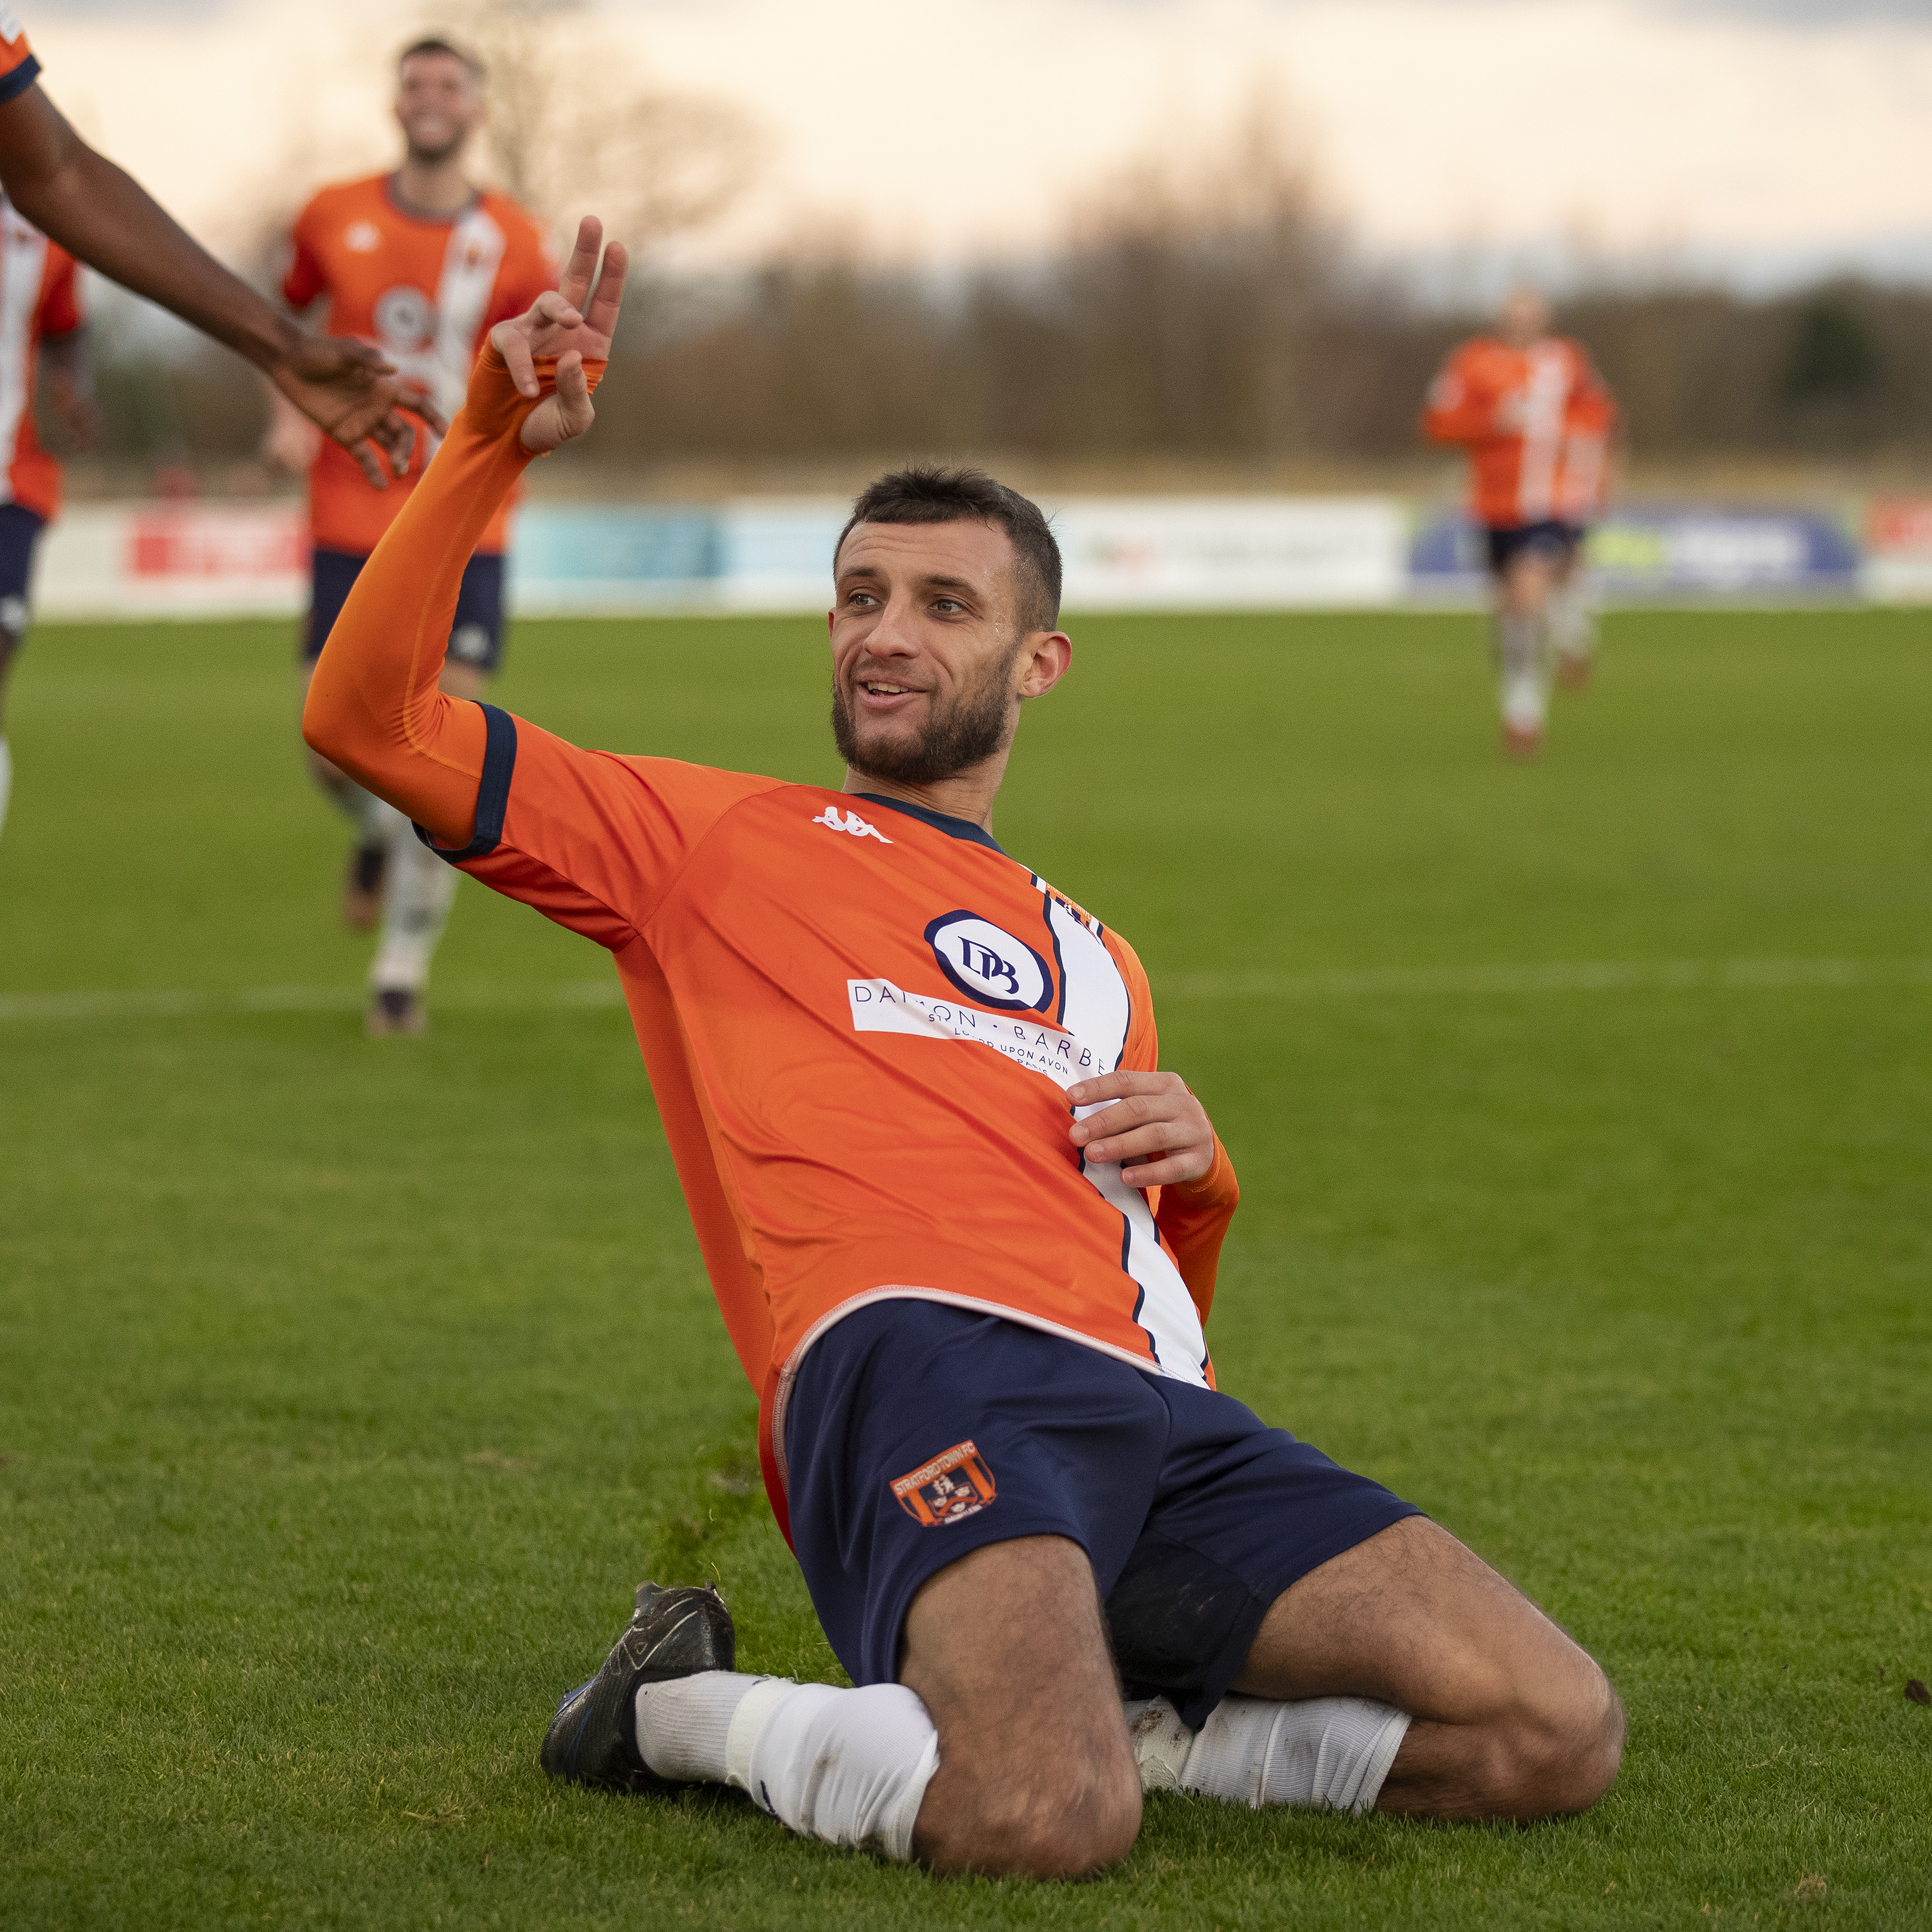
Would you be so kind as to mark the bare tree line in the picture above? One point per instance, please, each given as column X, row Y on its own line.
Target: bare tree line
column 1202, row 305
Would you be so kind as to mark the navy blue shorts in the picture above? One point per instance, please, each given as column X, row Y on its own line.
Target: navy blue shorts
column 476, row 638
column 19, row 531
column 1557, row 542
column 915, row 1431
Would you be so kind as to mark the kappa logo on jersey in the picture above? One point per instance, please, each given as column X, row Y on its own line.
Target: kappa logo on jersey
column 952, row 1487
column 833, row 819
column 362, row 237
column 987, row 962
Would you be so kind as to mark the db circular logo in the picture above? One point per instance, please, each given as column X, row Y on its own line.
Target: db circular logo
column 987, row 963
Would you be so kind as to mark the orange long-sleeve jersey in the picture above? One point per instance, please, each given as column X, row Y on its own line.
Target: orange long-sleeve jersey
column 1537, row 423
column 859, row 1019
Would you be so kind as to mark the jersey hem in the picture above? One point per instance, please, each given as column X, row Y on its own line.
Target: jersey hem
column 896, row 1292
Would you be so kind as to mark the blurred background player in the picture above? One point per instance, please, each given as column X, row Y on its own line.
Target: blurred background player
column 41, row 321
column 422, row 264
column 1537, row 420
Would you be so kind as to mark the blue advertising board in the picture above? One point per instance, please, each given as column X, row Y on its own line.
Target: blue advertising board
column 595, row 556
column 1647, row 553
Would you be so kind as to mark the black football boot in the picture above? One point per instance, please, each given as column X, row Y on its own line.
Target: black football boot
column 593, row 1737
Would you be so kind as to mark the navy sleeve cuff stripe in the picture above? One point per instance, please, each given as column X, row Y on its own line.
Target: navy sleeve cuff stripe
column 493, row 788
column 22, row 77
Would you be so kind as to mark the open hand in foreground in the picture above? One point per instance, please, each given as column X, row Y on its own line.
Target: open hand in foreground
column 1157, row 1129
column 574, row 320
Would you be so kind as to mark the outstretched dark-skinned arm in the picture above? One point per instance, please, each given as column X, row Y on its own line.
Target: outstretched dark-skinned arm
column 100, row 214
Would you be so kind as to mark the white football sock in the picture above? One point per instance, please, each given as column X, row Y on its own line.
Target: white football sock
column 1573, row 619
column 6, row 778
column 683, row 1723
column 850, row 1767
column 418, row 891
column 1321, row 1754
column 1520, row 654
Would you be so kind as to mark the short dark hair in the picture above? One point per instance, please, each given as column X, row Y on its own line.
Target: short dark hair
column 435, row 43
column 930, row 492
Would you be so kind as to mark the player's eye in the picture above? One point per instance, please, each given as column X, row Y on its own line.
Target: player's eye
column 947, row 605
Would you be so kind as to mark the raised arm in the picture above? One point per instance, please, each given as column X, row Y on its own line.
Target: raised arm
column 373, row 708
column 95, row 211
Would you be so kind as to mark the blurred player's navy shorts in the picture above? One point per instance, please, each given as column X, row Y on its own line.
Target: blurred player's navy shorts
column 1558, row 542
column 915, row 1431
column 19, row 530
column 475, row 638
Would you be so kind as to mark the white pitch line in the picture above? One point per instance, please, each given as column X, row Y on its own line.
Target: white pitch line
column 1256, row 983
column 1556, row 976
column 133, row 1005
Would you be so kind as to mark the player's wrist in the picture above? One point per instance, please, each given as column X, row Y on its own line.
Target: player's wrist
column 272, row 343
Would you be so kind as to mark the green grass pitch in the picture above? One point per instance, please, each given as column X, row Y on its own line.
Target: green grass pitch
column 346, row 1388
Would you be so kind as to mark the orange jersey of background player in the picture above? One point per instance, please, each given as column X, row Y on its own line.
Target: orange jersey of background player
column 1536, row 422
column 424, row 290
column 860, row 1021
column 38, row 297
column 19, row 69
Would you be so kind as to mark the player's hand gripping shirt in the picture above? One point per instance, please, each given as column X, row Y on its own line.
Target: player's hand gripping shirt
column 19, row 68
column 860, row 1020
column 424, row 290
column 1537, row 423
column 39, row 296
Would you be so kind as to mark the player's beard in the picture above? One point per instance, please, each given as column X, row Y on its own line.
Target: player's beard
column 966, row 733
column 424, row 156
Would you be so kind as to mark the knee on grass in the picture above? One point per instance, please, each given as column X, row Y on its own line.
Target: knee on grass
column 1045, row 1822
column 1558, row 1752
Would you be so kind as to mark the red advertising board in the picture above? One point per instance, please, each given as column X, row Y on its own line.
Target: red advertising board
column 1900, row 527
column 230, row 543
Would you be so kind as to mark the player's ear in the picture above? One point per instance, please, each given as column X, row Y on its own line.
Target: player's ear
column 1044, row 659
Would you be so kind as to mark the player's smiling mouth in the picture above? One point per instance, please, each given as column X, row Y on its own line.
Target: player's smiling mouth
column 881, row 691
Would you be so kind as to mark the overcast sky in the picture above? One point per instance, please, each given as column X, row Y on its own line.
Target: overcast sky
column 1769, row 136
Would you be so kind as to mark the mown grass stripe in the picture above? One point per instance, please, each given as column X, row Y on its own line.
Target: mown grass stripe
column 1599, row 975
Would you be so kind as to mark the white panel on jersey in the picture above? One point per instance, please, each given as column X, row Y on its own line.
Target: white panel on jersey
column 469, row 266
column 1543, row 405
column 1097, row 1011
column 23, row 260
column 880, row 1006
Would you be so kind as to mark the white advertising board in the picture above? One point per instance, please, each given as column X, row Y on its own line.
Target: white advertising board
column 751, row 554
column 174, row 560
column 1231, row 553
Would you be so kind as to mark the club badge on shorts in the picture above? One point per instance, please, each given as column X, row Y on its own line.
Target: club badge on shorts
column 955, row 1484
